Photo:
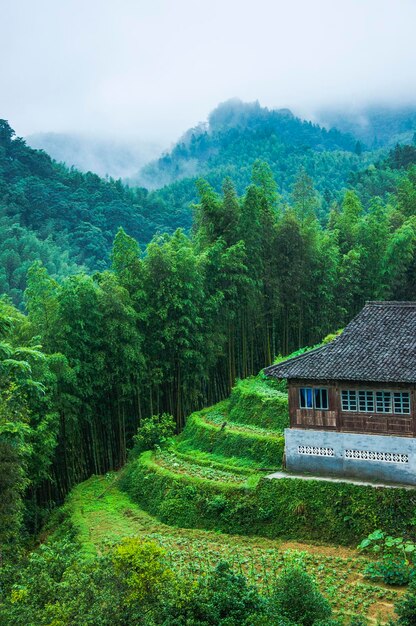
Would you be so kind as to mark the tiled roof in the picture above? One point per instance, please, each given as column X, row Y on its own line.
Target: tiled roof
column 378, row 345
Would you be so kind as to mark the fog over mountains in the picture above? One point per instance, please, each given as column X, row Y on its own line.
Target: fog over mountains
column 118, row 158
column 375, row 126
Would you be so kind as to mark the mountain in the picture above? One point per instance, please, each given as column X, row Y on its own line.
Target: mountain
column 63, row 217
column 375, row 126
column 236, row 135
column 105, row 157
column 68, row 219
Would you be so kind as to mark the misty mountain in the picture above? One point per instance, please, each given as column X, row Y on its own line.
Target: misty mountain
column 374, row 126
column 64, row 217
column 105, row 157
column 237, row 134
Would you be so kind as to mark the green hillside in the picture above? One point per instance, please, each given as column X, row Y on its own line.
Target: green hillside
column 65, row 218
column 376, row 126
column 237, row 134
column 200, row 504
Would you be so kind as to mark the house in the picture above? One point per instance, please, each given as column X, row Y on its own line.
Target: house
column 352, row 402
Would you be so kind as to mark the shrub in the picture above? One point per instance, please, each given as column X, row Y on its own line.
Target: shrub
column 406, row 607
column 55, row 585
column 154, row 431
column 221, row 598
column 297, row 599
column 141, row 569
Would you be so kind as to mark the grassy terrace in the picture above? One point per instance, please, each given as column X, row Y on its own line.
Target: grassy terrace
column 102, row 514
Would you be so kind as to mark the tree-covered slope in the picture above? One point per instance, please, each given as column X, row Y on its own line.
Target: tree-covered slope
column 64, row 217
column 238, row 133
column 105, row 156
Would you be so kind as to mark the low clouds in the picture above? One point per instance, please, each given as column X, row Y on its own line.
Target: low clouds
column 134, row 68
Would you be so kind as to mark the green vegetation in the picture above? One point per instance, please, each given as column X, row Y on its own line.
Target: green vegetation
column 297, row 599
column 237, row 134
column 64, row 218
column 153, row 336
column 255, row 402
column 406, row 607
column 154, row 432
column 79, row 573
column 396, row 558
column 205, row 431
column 289, row 508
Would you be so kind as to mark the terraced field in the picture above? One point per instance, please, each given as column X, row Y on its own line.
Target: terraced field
column 204, row 498
column 102, row 514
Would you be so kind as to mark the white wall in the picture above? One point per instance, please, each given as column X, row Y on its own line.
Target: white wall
column 374, row 457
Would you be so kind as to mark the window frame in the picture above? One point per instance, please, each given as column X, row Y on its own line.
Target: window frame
column 382, row 402
column 366, row 397
column 404, row 401
column 313, row 406
column 402, row 404
column 350, row 393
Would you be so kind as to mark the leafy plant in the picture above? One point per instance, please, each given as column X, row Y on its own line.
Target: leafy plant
column 142, row 570
column 397, row 563
column 406, row 607
column 219, row 598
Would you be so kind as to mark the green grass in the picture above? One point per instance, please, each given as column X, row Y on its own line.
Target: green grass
column 238, row 465
column 256, row 401
column 206, row 431
column 102, row 514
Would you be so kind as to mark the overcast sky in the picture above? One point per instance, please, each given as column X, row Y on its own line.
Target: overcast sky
column 153, row 68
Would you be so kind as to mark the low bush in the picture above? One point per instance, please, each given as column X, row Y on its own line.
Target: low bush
column 297, row 598
column 221, row 598
column 154, row 431
column 406, row 607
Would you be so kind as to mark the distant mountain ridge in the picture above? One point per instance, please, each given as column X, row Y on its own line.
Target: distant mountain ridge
column 376, row 126
column 63, row 217
column 237, row 134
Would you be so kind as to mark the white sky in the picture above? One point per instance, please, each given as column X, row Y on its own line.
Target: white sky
column 153, row 68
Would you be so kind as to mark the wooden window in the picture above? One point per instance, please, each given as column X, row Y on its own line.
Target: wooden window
column 349, row 400
column 313, row 398
column 366, row 401
column 380, row 401
column 306, row 398
column 383, row 401
column 401, row 402
column 321, row 398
